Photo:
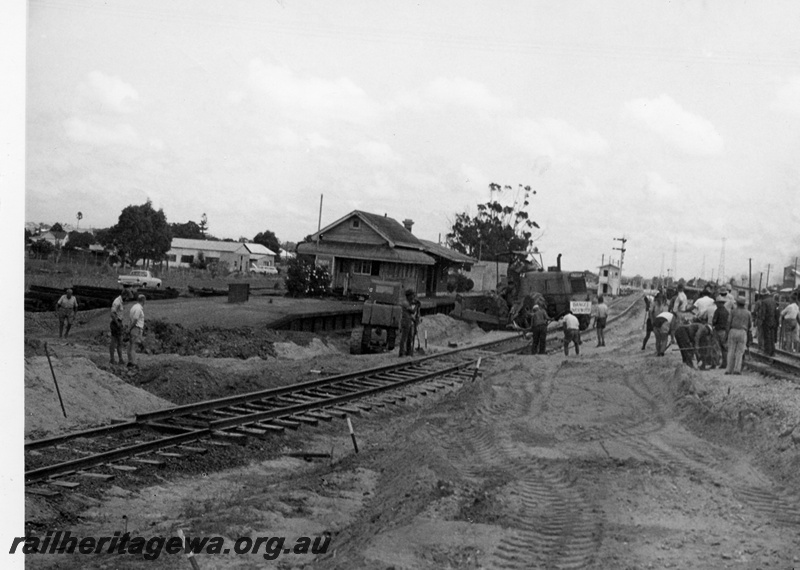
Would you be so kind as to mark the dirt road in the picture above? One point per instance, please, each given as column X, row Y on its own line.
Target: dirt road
column 614, row 459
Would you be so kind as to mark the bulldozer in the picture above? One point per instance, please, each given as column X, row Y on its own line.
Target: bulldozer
column 380, row 318
column 525, row 285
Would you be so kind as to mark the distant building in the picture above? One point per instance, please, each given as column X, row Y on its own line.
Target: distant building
column 791, row 278
column 57, row 239
column 608, row 280
column 183, row 252
column 260, row 255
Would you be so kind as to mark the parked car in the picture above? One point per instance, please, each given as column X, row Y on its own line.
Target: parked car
column 140, row 278
column 263, row 269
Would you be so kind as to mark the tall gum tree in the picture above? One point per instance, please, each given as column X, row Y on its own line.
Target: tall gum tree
column 498, row 229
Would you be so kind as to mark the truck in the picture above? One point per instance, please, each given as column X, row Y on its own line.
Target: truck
column 380, row 318
column 556, row 290
column 140, row 278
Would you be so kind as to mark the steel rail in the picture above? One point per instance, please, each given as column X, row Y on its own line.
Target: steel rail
column 116, row 454
column 348, row 381
column 302, row 386
column 243, row 420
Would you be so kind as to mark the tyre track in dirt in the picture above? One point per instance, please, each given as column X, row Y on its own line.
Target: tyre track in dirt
column 649, row 439
column 550, row 523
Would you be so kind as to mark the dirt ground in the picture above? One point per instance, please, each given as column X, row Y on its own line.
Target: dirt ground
column 611, row 459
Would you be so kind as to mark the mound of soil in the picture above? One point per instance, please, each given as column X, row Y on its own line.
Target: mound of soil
column 91, row 396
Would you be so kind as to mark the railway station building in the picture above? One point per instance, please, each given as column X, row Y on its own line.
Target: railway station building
column 361, row 247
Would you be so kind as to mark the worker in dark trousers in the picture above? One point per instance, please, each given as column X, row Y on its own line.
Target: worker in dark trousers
column 648, row 320
column 685, row 339
column 572, row 332
column 719, row 322
column 407, row 307
column 539, row 319
column 766, row 319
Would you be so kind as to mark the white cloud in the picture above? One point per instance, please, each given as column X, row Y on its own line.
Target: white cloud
column 312, row 97
column 376, row 152
column 558, row 139
column 82, row 131
column 788, row 97
column 685, row 131
column 657, row 187
column 111, row 92
column 465, row 93
column 285, row 137
column 316, row 140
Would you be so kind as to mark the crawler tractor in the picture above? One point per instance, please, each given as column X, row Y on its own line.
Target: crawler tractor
column 380, row 318
column 525, row 286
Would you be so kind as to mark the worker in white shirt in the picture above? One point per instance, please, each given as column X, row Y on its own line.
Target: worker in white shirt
column 790, row 331
column 136, row 329
column 572, row 332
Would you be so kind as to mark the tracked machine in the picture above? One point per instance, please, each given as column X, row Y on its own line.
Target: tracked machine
column 524, row 287
column 380, row 318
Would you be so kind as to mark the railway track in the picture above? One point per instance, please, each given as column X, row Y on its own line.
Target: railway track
column 169, row 434
column 781, row 360
column 155, row 437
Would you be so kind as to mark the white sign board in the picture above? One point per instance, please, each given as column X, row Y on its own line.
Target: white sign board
column 580, row 307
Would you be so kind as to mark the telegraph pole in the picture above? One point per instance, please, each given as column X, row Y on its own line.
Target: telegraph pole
column 622, row 253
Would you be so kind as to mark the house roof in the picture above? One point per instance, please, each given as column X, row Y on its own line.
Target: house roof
column 449, row 254
column 56, row 235
column 362, row 251
column 388, row 228
column 206, row 245
column 609, row 265
column 258, row 249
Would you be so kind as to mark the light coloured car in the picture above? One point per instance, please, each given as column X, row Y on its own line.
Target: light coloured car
column 140, row 278
column 263, row 269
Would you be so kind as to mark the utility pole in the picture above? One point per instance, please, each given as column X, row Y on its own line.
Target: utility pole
column 766, row 285
column 675, row 260
column 622, row 253
column 721, row 272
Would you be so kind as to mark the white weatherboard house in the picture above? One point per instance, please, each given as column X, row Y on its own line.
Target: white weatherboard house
column 236, row 254
column 260, row 255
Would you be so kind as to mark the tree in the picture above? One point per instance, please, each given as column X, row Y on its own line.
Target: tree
column 497, row 229
column 269, row 240
column 203, row 225
column 79, row 240
column 56, row 228
column 141, row 233
column 80, row 217
column 42, row 248
column 189, row 230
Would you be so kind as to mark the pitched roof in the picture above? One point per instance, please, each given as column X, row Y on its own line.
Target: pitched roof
column 369, row 252
column 206, row 245
column 258, row 249
column 388, row 228
column 449, row 254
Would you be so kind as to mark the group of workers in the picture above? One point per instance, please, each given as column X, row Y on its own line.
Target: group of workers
column 717, row 329
column 536, row 320
column 67, row 309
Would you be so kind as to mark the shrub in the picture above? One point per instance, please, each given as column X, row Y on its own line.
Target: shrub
column 459, row 283
column 303, row 278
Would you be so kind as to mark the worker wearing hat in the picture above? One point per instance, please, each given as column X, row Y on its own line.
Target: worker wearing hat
column 739, row 338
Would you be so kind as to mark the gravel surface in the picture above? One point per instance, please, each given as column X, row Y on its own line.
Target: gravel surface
column 614, row 459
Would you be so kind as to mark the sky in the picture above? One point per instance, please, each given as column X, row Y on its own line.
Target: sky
column 673, row 124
